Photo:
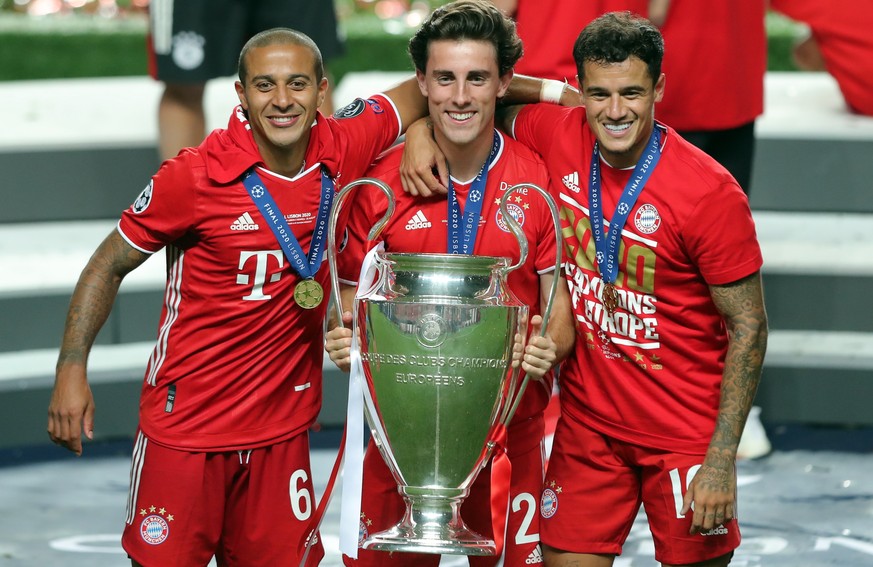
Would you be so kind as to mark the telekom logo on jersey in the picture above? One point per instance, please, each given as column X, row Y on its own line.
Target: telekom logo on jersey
column 254, row 267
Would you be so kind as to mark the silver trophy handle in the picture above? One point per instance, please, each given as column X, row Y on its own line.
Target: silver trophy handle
column 375, row 231
column 522, row 241
column 515, row 228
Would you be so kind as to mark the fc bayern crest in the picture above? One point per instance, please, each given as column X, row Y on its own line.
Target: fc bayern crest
column 362, row 533
column 548, row 503
column 514, row 210
column 154, row 529
column 188, row 52
column 647, row 219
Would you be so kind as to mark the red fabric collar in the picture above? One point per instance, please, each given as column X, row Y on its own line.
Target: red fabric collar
column 230, row 153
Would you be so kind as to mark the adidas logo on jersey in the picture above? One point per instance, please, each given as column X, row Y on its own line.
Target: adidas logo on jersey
column 720, row 530
column 571, row 181
column 417, row 221
column 535, row 557
column 244, row 222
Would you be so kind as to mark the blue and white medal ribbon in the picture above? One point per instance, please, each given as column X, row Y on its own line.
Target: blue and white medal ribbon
column 308, row 293
column 607, row 246
column 464, row 228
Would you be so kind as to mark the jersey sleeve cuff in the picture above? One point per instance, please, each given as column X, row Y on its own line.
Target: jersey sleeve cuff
column 131, row 242
column 396, row 115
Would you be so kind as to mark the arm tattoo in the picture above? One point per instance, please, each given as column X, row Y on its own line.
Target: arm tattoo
column 742, row 306
column 95, row 294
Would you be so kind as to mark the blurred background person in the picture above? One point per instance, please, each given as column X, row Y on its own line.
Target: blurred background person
column 715, row 57
column 549, row 28
column 716, row 82
column 192, row 41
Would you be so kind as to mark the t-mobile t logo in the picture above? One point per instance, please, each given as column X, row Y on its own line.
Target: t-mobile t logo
column 261, row 268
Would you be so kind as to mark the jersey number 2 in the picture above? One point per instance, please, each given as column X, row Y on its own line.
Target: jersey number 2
column 522, row 536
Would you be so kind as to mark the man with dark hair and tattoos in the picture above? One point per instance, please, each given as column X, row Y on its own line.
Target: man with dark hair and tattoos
column 664, row 275
column 663, row 269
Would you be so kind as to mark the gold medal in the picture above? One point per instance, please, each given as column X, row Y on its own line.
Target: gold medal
column 610, row 297
column 308, row 294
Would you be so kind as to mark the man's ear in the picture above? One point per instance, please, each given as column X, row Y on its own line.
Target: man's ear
column 422, row 83
column 322, row 91
column 505, row 79
column 581, row 92
column 241, row 94
column 659, row 87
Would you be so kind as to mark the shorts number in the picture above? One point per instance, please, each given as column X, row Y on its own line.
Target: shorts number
column 522, row 536
column 678, row 492
column 301, row 499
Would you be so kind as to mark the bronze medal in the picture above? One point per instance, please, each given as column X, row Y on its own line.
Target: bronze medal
column 308, row 294
column 610, row 297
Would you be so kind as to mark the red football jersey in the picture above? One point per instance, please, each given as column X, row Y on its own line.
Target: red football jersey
column 420, row 225
column 237, row 362
column 715, row 57
column 651, row 373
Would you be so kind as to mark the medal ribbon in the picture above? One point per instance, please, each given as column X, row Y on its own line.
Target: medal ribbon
column 308, row 538
column 305, row 266
column 462, row 242
column 501, row 476
column 607, row 245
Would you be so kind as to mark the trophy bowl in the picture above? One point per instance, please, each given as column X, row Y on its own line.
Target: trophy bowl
column 436, row 338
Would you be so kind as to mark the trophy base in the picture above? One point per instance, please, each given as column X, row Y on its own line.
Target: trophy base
column 433, row 527
column 463, row 542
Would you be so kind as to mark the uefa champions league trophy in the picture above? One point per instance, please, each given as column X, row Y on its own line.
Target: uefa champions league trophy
column 436, row 334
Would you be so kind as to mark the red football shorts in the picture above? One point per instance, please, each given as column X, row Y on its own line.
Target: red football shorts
column 593, row 491
column 245, row 507
column 382, row 506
